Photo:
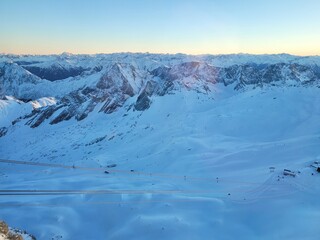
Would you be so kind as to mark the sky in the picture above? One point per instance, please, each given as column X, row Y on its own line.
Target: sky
column 160, row 26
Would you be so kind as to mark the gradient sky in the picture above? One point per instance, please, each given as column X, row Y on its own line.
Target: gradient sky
column 160, row 26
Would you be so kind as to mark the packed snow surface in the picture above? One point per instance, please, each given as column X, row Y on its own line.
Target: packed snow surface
column 192, row 166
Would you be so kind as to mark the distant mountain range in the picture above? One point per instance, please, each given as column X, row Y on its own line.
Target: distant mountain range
column 77, row 84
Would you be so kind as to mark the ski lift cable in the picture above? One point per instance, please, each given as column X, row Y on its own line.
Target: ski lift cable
column 161, row 175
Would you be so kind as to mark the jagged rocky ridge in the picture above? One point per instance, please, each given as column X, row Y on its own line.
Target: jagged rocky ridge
column 85, row 82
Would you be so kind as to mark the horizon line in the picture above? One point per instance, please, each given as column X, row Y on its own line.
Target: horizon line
column 157, row 53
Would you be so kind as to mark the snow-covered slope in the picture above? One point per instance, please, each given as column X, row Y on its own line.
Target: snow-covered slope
column 167, row 147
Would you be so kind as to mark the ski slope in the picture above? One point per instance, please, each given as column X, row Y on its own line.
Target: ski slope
column 192, row 166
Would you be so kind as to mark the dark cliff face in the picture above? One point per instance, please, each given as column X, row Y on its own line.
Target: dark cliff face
column 115, row 82
column 54, row 73
column 152, row 88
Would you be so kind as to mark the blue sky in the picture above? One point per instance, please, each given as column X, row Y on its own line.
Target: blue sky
column 165, row 26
